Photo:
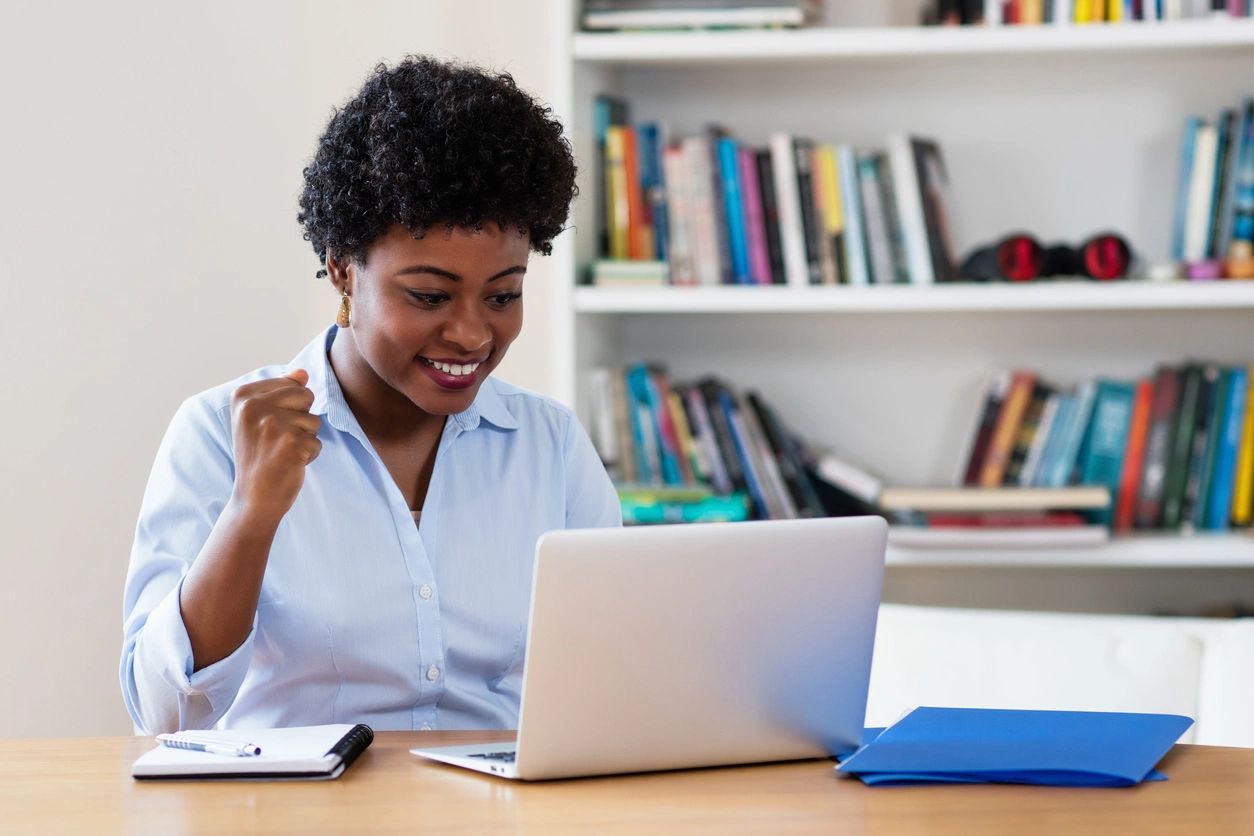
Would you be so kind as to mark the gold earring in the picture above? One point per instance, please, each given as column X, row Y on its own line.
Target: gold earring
column 344, row 317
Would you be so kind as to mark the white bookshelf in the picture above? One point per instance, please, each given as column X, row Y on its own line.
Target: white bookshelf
column 1061, row 131
column 955, row 298
column 907, row 43
column 1139, row 551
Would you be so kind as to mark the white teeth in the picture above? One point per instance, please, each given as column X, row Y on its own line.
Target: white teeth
column 453, row 368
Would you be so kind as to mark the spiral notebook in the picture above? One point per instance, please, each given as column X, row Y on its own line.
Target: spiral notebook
column 302, row 752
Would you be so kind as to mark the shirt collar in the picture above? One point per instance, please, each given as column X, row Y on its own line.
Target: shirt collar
column 329, row 398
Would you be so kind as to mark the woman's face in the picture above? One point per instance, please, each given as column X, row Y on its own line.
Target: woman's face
column 432, row 317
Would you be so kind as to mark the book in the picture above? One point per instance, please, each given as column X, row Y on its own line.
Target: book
column 1214, row 440
column 1219, row 502
column 734, row 209
column 909, row 202
column 1243, row 490
column 879, row 248
column 803, row 163
column 788, row 200
column 1104, row 445
column 933, row 178
column 1130, row 477
column 1194, row 474
column 1166, row 397
column 1009, row 419
column 1010, row 537
column 679, row 214
column 1183, row 186
column 301, row 752
column 617, row 207
column 1201, row 192
column 1063, row 465
column 1026, row 435
column 1040, row 436
column 856, row 270
column 651, row 14
column 770, row 215
column 755, row 218
column 995, row 389
column 652, row 142
column 1181, row 447
column 629, row 273
column 1080, row 497
column 983, row 745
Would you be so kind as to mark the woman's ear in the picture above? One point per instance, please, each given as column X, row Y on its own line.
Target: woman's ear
column 339, row 274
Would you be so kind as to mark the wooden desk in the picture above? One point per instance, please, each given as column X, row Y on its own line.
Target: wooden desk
column 84, row 786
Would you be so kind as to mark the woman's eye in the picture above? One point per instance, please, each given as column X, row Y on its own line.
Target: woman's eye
column 430, row 299
column 502, row 300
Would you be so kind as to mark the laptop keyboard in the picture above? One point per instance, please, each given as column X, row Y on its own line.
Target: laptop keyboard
column 504, row 757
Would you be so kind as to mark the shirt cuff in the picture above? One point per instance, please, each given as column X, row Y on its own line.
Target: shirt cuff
column 170, row 651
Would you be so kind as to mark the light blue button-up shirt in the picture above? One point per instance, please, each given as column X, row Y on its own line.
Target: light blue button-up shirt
column 363, row 616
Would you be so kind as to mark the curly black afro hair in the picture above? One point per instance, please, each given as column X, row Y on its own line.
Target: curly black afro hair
column 428, row 142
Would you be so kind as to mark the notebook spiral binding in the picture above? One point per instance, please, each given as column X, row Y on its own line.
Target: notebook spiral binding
column 353, row 743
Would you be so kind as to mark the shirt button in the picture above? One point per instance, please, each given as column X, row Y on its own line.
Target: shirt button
column 433, row 673
column 425, row 592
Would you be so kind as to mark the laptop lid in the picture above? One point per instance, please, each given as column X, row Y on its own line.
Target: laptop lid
column 699, row 645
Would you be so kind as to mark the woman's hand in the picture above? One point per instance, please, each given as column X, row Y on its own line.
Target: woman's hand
column 275, row 439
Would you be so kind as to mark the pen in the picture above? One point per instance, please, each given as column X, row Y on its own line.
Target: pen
column 215, row 747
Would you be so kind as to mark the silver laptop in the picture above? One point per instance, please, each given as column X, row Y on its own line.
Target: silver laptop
column 684, row 646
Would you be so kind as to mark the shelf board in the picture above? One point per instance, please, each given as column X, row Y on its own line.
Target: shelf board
column 712, row 47
column 1149, row 551
column 940, row 298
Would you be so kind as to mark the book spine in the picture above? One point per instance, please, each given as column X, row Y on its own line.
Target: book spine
column 1008, row 420
column 909, row 202
column 733, row 205
column 601, row 412
column 803, row 159
column 835, row 228
column 705, row 248
column 1199, row 455
column 782, row 505
column 723, row 435
column 1054, row 441
column 1032, row 463
column 679, row 233
column 629, row 470
column 655, row 387
column 791, row 468
column 1188, row 146
column 770, row 216
column 1026, row 434
column 744, row 453
column 690, row 463
column 1069, row 445
column 1181, row 447
column 719, row 201
column 994, row 394
column 704, row 429
column 755, row 230
column 1149, row 509
column 1107, row 439
column 791, row 231
column 855, row 242
column 1221, row 491
column 1243, row 489
column 822, row 217
column 652, row 141
column 933, row 185
column 1130, row 478
column 1224, row 162
column 1197, row 230
column 1214, row 444
column 1242, row 137
column 640, row 235
column 617, row 209
column 881, row 258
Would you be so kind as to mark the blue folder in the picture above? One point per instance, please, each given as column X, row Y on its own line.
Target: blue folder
column 985, row 745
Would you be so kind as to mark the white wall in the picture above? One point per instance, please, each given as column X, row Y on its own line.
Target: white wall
column 149, row 165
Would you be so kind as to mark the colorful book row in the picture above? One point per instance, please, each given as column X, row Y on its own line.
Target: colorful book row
column 1176, row 450
column 1066, row 12
column 1213, row 233
column 715, row 210
column 649, row 431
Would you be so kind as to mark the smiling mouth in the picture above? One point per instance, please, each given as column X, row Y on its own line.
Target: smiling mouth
column 454, row 369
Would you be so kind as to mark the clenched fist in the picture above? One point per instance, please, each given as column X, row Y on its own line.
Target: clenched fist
column 275, row 438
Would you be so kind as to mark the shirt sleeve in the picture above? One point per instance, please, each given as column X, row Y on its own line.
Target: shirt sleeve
column 591, row 501
column 188, row 488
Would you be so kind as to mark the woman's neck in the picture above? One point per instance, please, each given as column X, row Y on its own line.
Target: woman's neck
column 385, row 415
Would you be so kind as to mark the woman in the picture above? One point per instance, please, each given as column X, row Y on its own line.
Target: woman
column 349, row 537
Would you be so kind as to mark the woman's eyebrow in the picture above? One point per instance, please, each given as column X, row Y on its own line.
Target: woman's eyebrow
column 436, row 271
